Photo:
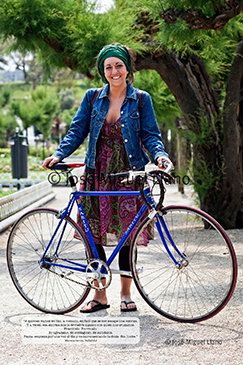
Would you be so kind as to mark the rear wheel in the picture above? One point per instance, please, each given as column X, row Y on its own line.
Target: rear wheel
column 203, row 284
column 47, row 287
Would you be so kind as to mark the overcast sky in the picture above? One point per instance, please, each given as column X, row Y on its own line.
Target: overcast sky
column 106, row 3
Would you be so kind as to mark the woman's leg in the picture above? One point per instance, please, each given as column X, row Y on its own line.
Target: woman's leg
column 99, row 295
column 126, row 281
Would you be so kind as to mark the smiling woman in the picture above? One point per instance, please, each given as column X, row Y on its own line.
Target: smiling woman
column 117, row 123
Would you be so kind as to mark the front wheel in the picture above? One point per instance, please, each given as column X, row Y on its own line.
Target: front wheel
column 203, row 282
column 48, row 288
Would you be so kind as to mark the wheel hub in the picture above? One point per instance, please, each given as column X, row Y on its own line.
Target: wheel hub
column 48, row 260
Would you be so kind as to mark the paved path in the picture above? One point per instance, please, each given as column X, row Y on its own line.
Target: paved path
column 216, row 341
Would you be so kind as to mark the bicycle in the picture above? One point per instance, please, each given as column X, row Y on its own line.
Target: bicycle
column 185, row 270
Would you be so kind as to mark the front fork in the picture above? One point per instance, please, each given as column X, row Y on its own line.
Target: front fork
column 161, row 226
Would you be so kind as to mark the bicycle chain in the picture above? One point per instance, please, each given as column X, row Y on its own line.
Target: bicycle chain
column 63, row 276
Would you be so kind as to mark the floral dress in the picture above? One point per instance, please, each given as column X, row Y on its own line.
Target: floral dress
column 109, row 216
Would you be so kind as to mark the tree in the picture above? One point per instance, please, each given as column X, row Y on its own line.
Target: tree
column 8, row 122
column 35, row 72
column 19, row 60
column 214, row 133
column 46, row 105
column 2, row 59
column 165, row 106
column 191, row 44
column 39, row 110
column 67, row 33
column 5, row 94
column 67, row 99
column 8, row 126
column 23, row 61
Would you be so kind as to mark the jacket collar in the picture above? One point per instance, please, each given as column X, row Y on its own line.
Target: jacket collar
column 131, row 93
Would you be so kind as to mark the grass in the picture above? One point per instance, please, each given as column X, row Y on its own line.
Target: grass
column 5, row 193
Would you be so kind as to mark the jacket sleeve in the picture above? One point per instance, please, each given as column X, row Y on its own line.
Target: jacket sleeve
column 150, row 133
column 79, row 128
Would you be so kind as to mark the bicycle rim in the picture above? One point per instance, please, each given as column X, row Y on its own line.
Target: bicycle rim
column 48, row 288
column 194, row 292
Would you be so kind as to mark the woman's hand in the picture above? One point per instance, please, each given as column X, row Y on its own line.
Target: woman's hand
column 161, row 160
column 51, row 161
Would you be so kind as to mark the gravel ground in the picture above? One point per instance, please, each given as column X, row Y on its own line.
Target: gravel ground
column 218, row 340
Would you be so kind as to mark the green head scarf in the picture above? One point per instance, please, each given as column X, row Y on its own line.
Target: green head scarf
column 113, row 50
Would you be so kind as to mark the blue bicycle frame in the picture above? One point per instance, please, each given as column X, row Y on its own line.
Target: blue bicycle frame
column 159, row 221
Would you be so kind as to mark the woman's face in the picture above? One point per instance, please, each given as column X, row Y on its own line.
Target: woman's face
column 115, row 71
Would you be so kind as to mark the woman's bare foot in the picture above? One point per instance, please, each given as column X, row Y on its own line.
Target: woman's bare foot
column 127, row 304
column 99, row 299
column 92, row 303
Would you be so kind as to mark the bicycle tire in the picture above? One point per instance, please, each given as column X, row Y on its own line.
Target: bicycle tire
column 50, row 289
column 195, row 292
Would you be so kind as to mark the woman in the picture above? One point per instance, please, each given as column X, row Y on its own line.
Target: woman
column 120, row 122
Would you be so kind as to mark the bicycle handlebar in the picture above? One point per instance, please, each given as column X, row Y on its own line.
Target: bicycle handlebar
column 128, row 177
column 66, row 166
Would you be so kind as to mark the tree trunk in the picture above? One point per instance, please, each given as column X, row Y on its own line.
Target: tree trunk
column 230, row 198
column 181, row 157
column 189, row 82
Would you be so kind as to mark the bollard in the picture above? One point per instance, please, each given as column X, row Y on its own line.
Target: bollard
column 19, row 152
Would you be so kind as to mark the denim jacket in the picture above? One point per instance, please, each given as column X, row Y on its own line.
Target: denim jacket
column 136, row 126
